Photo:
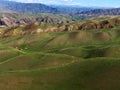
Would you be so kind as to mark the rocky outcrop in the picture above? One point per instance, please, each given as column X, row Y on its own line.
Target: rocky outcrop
column 8, row 21
column 48, row 20
column 13, row 21
column 46, row 27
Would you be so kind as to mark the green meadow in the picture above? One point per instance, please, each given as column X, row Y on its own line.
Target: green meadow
column 72, row 60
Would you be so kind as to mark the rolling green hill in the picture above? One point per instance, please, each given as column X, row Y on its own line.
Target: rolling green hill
column 67, row 60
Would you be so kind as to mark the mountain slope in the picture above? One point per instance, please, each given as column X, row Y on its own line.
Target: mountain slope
column 15, row 19
column 30, row 8
column 71, row 9
column 4, row 10
column 100, row 12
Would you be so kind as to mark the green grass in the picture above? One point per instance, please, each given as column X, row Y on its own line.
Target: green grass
column 36, row 61
column 8, row 52
column 79, row 60
column 91, row 74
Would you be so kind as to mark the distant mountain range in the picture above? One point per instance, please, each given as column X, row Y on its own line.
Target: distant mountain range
column 36, row 8
column 30, row 8
column 100, row 12
column 71, row 9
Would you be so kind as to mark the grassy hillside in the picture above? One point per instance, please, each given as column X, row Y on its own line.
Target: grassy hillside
column 92, row 74
column 69, row 60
